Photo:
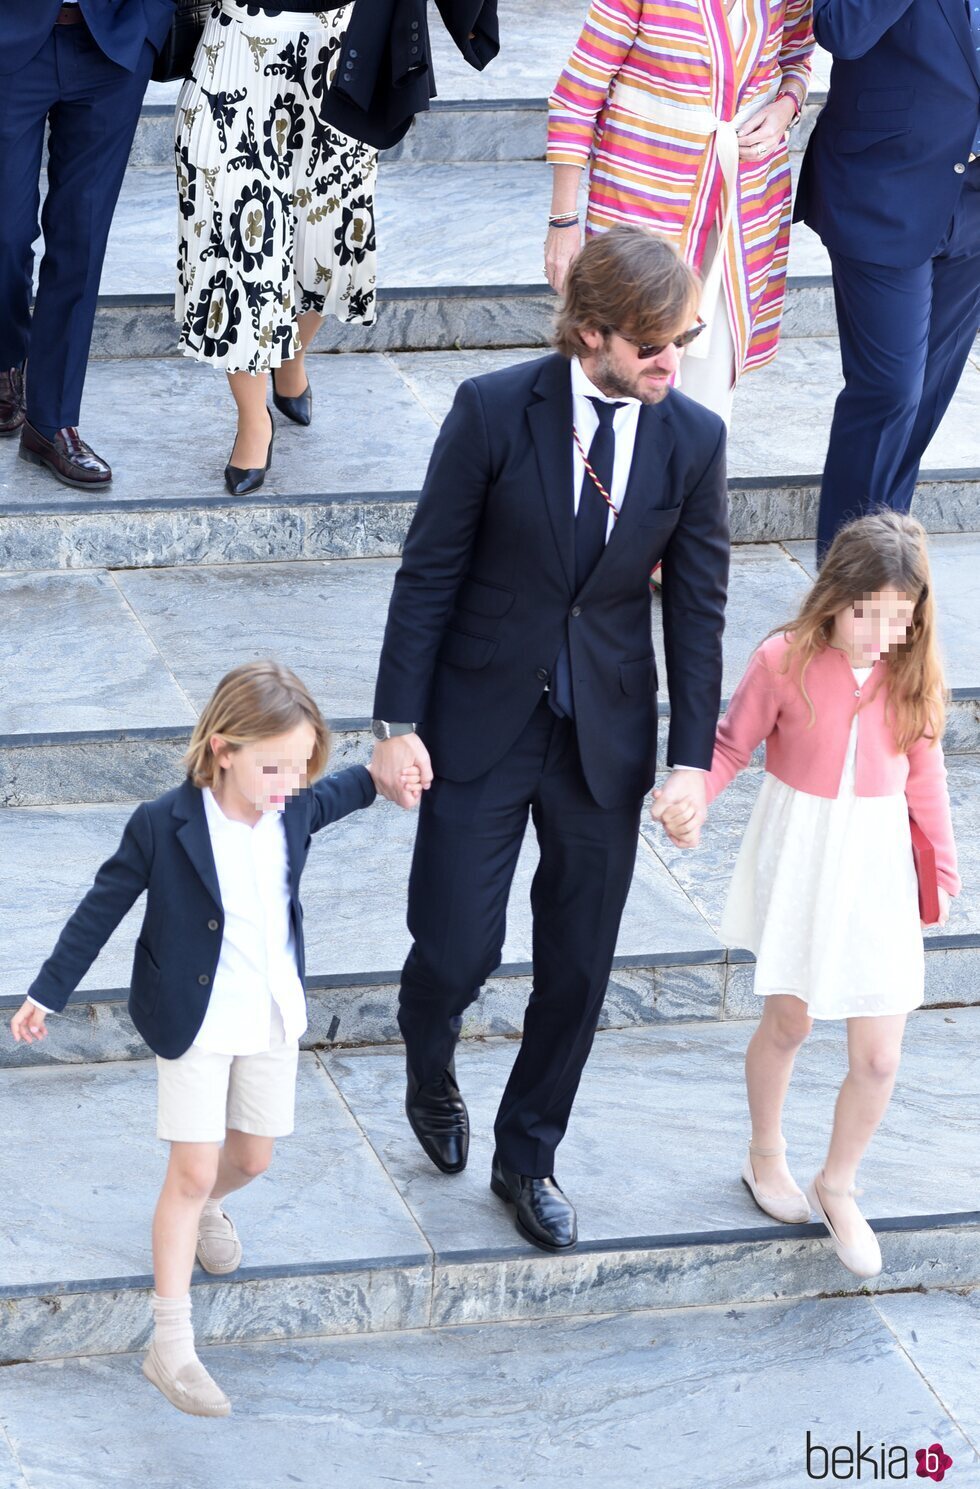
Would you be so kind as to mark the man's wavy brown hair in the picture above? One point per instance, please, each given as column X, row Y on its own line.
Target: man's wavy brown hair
column 629, row 280
column 886, row 550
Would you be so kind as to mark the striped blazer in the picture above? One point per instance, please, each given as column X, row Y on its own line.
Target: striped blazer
column 632, row 103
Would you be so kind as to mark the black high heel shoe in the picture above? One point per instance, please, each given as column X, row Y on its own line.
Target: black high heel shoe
column 241, row 482
column 299, row 409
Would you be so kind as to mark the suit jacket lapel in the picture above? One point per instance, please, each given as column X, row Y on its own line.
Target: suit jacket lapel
column 195, row 839
column 646, row 486
column 955, row 12
column 550, row 420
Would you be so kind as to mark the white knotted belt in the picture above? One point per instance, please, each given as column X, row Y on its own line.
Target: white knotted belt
column 699, row 119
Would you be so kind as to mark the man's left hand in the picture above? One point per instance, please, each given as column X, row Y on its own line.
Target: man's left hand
column 684, row 799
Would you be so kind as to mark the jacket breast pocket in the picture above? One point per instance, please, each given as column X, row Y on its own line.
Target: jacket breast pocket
column 885, row 100
column 477, row 597
column 461, row 649
column 146, row 978
column 663, row 517
column 638, row 677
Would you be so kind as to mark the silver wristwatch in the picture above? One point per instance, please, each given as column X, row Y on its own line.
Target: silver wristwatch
column 381, row 729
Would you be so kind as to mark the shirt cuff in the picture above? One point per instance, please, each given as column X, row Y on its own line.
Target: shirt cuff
column 678, row 766
column 39, row 1005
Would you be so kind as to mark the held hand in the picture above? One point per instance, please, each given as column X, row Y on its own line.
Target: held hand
column 944, row 904
column 682, row 807
column 764, row 132
column 392, row 757
column 561, row 247
column 28, row 1023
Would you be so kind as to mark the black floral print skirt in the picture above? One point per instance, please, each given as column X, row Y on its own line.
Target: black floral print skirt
column 276, row 209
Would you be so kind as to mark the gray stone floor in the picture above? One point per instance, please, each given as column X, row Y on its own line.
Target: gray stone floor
column 348, row 449
column 694, row 1399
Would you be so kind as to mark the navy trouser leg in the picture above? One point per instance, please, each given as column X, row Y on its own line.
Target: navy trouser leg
column 92, row 128
column 905, row 335
column 588, row 854
column 25, row 98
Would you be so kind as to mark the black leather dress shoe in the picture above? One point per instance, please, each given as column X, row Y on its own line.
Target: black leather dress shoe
column 299, row 409
column 438, row 1117
column 240, row 482
column 67, row 456
column 544, row 1216
column 11, row 400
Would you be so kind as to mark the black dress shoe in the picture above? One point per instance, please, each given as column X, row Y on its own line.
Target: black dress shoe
column 241, row 482
column 438, row 1117
column 67, row 456
column 299, row 409
column 544, row 1216
column 11, row 400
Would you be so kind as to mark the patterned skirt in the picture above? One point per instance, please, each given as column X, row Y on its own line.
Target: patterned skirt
column 276, row 209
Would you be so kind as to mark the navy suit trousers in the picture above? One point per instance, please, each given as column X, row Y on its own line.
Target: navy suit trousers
column 92, row 106
column 905, row 335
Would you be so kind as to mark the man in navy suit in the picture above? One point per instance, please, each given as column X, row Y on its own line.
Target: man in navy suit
column 891, row 182
column 79, row 69
column 518, row 671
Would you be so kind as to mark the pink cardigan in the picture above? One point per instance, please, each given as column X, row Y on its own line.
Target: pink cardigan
column 769, row 705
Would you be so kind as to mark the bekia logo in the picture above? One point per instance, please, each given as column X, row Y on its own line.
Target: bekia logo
column 872, row 1463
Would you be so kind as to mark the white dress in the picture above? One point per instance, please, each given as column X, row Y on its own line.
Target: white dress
column 824, row 893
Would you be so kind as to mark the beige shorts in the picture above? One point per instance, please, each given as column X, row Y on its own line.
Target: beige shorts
column 201, row 1095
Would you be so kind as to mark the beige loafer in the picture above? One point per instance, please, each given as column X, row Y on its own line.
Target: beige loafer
column 218, row 1248
column 191, row 1389
column 789, row 1209
column 864, row 1260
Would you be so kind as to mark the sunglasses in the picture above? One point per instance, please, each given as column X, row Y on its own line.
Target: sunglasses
column 646, row 349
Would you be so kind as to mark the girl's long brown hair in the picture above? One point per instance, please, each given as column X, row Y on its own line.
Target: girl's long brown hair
column 886, row 550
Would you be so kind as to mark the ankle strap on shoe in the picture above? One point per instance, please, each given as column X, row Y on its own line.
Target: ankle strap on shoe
column 767, row 1152
column 852, row 1189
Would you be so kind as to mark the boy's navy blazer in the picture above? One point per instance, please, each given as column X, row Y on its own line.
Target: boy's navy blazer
column 166, row 850
column 119, row 27
column 886, row 162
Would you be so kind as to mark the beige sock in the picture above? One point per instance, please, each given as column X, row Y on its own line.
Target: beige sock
column 212, row 1208
column 173, row 1332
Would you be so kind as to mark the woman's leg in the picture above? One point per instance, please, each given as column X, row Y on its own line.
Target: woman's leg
column 291, row 376
column 254, row 420
column 769, row 1059
column 874, row 1048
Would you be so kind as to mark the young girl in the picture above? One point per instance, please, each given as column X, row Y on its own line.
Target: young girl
column 217, row 982
column 850, row 701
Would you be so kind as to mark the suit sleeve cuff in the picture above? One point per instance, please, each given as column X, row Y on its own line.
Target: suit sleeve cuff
column 39, row 1005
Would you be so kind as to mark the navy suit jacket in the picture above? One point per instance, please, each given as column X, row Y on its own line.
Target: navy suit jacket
column 119, row 26
column 166, row 850
column 486, row 592
column 880, row 177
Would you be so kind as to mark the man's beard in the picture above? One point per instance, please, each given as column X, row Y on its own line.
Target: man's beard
column 614, row 385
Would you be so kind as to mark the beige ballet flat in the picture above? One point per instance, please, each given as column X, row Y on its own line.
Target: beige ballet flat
column 218, row 1248
column 190, row 1389
column 864, row 1260
column 791, row 1210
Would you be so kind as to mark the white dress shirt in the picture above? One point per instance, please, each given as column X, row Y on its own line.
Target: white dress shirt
column 257, row 965
column 625, row 421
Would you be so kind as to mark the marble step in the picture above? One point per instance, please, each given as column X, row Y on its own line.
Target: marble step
column 671, row 964
column 448, row 1405
column 104, row 673
column 472, row 285
column 353, row 1232
column 346, row 487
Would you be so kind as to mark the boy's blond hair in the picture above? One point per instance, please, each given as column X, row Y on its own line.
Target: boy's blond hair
column 255, row 701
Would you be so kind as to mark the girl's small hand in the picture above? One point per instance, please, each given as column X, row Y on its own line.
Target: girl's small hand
column 28, row 1023
column 678, row 820
column 944, row 904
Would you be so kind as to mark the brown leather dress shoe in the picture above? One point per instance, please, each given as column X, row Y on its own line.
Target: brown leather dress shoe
column 11, row 400
column 67, row 456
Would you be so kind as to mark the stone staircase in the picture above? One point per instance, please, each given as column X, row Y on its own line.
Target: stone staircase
column 117, row 617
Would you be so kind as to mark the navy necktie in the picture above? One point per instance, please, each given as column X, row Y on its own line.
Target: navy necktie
column 591, row 522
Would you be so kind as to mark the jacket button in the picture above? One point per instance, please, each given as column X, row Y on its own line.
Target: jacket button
column 212, row 925
column 959, row 168
column 204, row 979
column 352, row 52
column 543, row 674
column 576, row 610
